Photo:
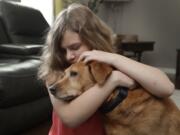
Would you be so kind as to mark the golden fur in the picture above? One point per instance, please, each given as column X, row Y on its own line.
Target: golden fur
column 139, row 114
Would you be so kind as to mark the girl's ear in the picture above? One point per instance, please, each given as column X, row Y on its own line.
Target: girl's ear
column 100, row 71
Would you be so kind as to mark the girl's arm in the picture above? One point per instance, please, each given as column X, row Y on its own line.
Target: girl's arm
column 80, row 109
column 151, row 78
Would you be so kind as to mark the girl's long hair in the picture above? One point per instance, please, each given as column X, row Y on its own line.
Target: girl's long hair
column 80, row 19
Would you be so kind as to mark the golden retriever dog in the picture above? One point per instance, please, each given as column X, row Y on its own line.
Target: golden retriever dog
column 140, row 113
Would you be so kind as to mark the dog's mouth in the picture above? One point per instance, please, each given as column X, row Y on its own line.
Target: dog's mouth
column 67, row 98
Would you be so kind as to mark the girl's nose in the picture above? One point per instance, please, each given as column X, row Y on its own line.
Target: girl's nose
column 70, row 56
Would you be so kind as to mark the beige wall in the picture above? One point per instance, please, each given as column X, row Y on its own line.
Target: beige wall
column 156, row 20
column 58, row 5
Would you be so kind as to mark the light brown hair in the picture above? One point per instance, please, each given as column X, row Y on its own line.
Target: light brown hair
column 80, row 19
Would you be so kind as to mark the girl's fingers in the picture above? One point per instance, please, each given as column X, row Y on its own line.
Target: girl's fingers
column 90, row 55
column 87, row 59
column 83, row 56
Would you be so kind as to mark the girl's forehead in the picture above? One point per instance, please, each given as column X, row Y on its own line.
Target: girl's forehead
column 70, row 38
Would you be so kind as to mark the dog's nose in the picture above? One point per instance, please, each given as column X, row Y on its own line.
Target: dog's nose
column 52, row 89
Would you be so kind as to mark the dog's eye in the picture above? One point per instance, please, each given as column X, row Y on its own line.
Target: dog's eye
column 73, row 73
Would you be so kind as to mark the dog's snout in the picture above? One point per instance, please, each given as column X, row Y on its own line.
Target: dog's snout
column 52, row 89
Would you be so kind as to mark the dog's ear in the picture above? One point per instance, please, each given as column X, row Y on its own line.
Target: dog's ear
column 100, row 71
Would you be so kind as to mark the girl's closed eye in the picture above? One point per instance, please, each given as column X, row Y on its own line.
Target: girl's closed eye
column 75, row 46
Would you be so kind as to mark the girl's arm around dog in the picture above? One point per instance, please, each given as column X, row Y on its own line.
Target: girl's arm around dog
column 80, row 109
column 151, row 78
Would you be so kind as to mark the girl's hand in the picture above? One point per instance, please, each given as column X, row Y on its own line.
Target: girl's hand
column 118, row 78
column 96, row 55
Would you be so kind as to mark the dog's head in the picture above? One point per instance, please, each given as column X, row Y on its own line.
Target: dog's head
column 78, row 78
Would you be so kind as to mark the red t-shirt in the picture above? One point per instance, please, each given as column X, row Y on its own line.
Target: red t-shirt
column 93, row 126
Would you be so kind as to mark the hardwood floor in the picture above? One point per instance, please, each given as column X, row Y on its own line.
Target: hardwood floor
column 42, row 129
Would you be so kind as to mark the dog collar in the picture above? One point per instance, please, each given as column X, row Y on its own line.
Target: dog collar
column 110, row 105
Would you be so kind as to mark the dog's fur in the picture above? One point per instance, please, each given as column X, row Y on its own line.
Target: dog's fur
column 139, row 114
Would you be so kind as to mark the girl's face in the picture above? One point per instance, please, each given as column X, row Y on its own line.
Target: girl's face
column 73, row 46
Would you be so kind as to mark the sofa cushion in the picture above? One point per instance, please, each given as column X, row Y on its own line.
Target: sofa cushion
column 19, row 83
column 21, row 49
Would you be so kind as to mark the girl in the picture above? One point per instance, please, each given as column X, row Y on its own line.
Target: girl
column 78, row 34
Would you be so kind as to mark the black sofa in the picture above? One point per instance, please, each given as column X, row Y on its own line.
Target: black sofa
column 23, row 30
column 24, row 101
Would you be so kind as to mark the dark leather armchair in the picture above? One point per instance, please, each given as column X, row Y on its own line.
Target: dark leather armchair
column 23, row 29
column 24, row 101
